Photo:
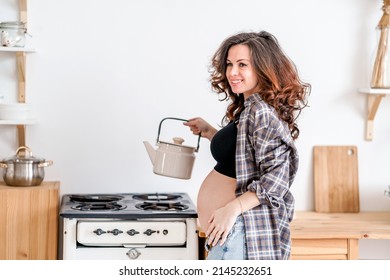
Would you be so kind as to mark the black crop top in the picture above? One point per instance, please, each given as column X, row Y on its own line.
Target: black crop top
column 223, row 149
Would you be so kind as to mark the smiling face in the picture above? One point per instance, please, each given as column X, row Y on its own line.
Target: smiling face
column 240, row 72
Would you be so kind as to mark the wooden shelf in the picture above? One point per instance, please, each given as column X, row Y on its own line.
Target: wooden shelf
column 374, row 90
column 18, row 122
column 374, row 98
column 20, row 54
column 16, row 49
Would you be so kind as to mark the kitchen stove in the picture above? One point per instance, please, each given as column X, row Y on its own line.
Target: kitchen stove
column 129, row 226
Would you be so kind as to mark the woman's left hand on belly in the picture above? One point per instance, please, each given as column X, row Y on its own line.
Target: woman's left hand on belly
column 221, row 222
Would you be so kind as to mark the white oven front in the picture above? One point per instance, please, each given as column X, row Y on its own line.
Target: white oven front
column 143, row 239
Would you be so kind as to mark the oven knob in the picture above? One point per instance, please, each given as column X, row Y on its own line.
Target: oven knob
column 132, row 232
column 149, row 232
column 133, row 253
column 99, row 231
column 116, row 231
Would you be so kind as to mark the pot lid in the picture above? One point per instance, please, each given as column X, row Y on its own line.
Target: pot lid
column 23, row 157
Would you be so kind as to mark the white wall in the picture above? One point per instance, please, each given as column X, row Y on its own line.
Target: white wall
column 106, row 72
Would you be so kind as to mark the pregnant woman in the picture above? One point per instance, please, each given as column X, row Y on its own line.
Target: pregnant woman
column 244, row 204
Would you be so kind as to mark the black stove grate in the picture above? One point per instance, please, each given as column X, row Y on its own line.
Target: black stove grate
column 113, row 206
column 161, row 206
column 156, row 196
column 94, row 198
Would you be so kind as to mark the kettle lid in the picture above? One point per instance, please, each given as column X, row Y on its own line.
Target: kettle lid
column 177, row 142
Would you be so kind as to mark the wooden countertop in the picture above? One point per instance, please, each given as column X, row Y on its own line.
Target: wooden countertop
column 43, row 185
column 363, row 225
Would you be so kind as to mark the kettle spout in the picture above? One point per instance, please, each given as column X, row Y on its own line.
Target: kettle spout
column 151, row 151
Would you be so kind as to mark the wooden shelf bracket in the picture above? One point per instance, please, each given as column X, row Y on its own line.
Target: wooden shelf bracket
column 23, row 11
column 374, row 98
column 21, row 68
column 373, row 101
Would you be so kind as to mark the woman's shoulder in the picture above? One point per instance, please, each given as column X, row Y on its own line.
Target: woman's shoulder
column 258, row 111
column 259, row 115
column 256, row 105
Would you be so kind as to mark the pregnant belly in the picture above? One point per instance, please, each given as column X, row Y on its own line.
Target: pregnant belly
column 216, row 191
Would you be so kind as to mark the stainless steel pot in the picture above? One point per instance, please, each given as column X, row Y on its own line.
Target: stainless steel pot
column 23, row 169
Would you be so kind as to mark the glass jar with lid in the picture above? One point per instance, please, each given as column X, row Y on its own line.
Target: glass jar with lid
column 13, row 34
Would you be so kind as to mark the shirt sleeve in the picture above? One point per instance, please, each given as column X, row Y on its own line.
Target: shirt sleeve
column 272, row 156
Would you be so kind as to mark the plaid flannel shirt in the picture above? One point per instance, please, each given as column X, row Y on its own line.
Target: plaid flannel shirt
column 266, row 163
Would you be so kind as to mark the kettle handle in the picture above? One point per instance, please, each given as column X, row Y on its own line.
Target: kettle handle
column 178, row 119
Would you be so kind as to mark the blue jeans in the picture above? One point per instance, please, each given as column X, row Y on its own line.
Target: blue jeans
column 234, row 247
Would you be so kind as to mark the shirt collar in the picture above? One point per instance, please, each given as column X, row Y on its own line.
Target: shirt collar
column 252, row 98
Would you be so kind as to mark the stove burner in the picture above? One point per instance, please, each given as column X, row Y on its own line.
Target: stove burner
column 127, row 205
column 99, row 206
column 161, row 206
column 157, row 196
column 95, row 198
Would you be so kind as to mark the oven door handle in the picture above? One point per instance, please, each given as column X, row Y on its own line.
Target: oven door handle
column 134, row 245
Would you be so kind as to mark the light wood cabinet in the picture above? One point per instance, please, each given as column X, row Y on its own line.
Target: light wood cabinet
column 330, row 236
column 324, row 249
column 29, row 222
column 335, row 236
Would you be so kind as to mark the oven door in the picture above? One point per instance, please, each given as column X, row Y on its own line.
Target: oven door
column 135, row 253
column 147, row 239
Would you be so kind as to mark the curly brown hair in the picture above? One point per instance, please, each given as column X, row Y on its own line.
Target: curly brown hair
column 280, row 85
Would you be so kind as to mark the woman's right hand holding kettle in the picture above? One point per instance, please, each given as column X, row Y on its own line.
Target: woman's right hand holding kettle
column 199, row 126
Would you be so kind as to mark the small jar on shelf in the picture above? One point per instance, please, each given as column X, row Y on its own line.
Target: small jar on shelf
column 13, row 34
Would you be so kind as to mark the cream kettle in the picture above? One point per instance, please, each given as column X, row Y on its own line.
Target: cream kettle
column 172, row 159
